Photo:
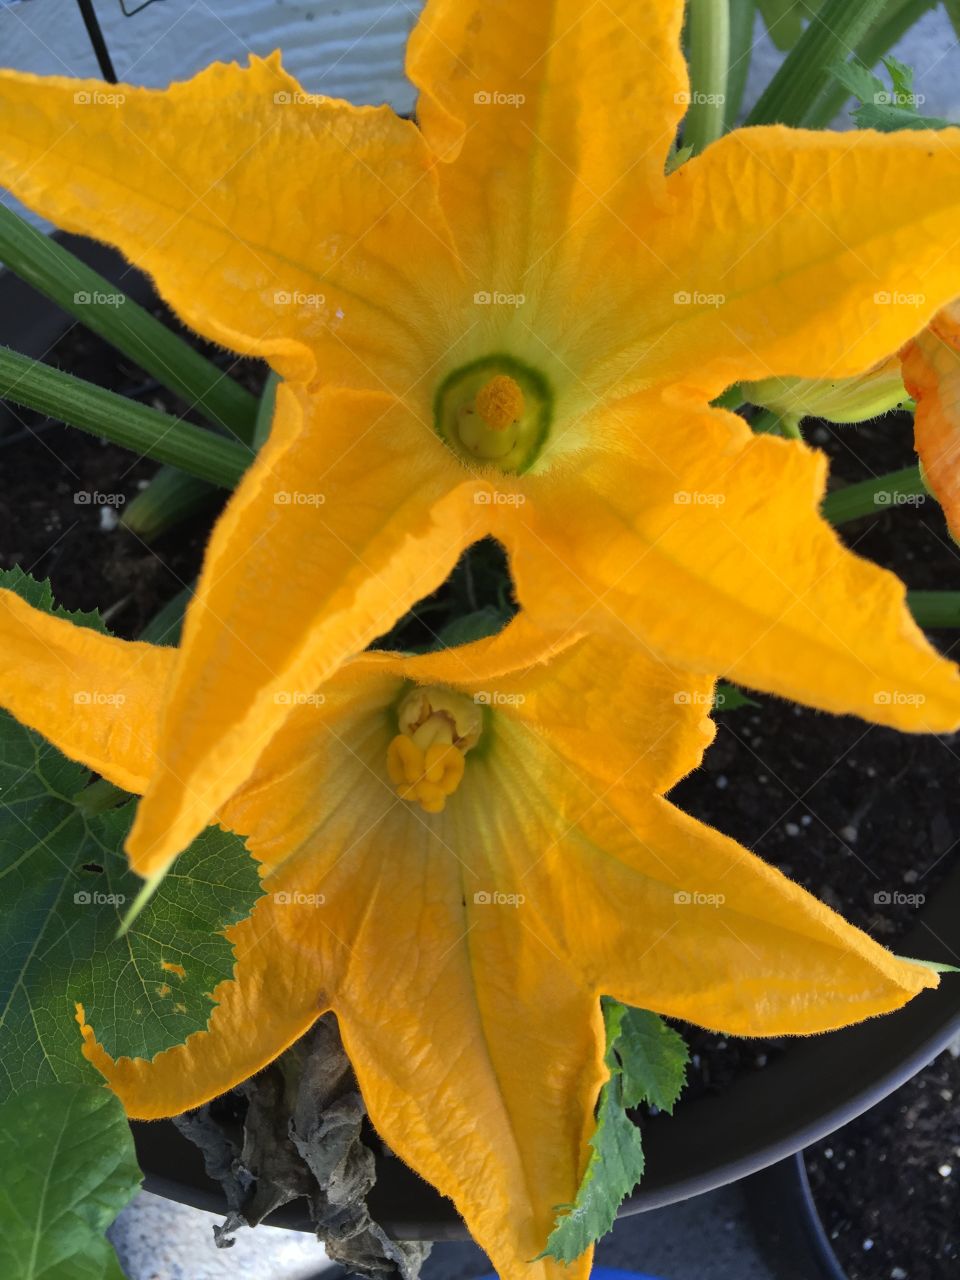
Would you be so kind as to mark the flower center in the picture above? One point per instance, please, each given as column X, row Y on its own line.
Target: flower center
column 496, row 410
column 425, row 761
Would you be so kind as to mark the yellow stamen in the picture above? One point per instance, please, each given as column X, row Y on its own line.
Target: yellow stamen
column 425, row 761
column 499, row 402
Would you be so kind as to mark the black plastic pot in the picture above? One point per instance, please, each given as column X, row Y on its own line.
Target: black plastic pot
column 784, row 1218
column 817, row 1086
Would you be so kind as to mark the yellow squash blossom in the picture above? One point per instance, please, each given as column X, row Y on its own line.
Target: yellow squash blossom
column 509, row 320
column 460, row 853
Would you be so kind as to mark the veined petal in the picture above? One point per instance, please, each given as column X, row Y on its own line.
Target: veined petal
column 96, row 698
column 352, row 512
column 806, row 254
column 704, row 543
column 465, row 952
column 931, row 371
column 268, row 217
column 726, row 942
column 615, row 711
column 551, row 114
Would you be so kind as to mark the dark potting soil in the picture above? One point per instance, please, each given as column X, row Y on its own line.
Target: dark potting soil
column 887, row 1186
column 864, row 817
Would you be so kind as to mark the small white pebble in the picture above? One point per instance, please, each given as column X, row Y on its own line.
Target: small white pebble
column 791, row 828
column 828, row 1152
column 867, row 1245
column 945, row 1170
column 108, row 519
column 762, row 779
column 805, row 820
column 898, row 1273
column 946, row 1095
column 849, row 834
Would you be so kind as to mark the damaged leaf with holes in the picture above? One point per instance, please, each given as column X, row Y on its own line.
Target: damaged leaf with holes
column 66, row 883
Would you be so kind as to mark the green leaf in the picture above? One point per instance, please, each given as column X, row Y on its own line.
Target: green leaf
column 67, row 1168
column 647, row 1063
column 901, row 76
column 888, row 118
column 484, row 622
column 40, row 595
column 654, row 1059
column 858, row 79
column 727, row 697
column 65, row 883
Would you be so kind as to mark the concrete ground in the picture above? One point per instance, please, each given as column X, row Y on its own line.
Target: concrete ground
column 703, row 1239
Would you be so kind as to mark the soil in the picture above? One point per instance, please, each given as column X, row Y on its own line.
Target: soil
column 865, row 818
column 887, row 1186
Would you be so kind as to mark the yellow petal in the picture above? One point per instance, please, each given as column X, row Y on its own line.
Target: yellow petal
column 269, row 218
column 96, row 698
column 707, row 547
column 352, row 512
column 806, row 254
column 931, row 370
column 594, row 700
column 464, row 953
column 552, row 114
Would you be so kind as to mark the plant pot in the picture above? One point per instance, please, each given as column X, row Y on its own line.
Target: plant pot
column 786, row 1223
column 815, row 1087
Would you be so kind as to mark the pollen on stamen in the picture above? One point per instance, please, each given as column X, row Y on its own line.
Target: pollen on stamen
column 499, row 402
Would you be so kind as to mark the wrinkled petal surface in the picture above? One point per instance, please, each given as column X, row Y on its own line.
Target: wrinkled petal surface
column 320, row 549
column 268, row 217
column 464, row 953
column 703, row 542
column 98, row 698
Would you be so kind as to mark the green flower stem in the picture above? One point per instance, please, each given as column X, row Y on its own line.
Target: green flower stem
column 879, row 40
column 134, row 426
column 170, row 498
column 101, row 307
column 804, row 73
column 935, row 608
column 708, row 29
column 742, row 14
column 869, row 497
